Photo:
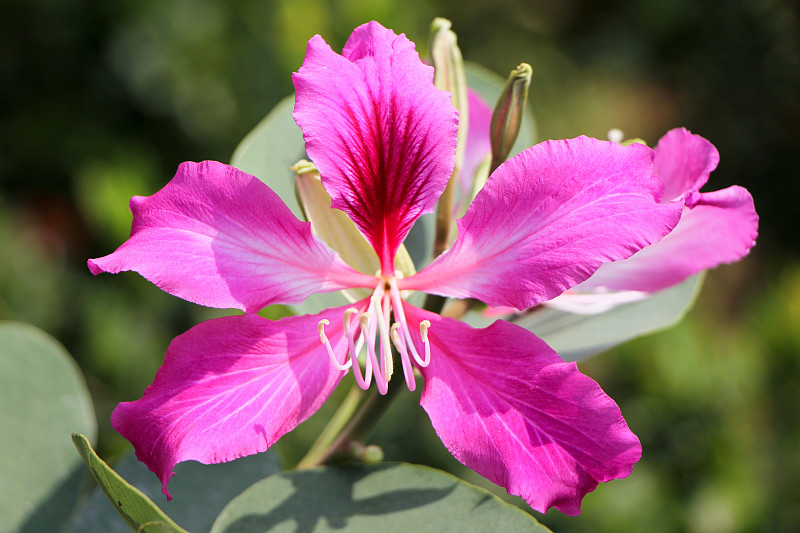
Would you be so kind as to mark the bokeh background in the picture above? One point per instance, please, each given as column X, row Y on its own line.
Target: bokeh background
column 100, row 101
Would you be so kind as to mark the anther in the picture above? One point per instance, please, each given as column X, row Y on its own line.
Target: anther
column 324, row 339
column 321, row 327
column 423, row 332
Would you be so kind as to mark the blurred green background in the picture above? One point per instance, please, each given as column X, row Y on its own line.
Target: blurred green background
column 102, row 100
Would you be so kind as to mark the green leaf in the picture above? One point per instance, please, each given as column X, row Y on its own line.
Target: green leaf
column 44, row 399
column 577, row 337
column 385, row 498
column 268, row 151
column 199, row 491
column 136, row 508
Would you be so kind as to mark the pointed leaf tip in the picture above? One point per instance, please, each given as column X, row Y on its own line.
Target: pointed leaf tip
column 136, row 508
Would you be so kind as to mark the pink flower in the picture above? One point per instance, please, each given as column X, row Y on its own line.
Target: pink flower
column 715, row 228
column 383, row 139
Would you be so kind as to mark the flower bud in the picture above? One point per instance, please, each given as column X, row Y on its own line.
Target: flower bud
column 508, row 113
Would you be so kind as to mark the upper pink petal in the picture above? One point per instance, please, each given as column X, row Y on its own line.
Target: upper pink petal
column 382, row 136
column 684, row 161
column 217, row 236
column 547, row 219
column 505, row 405
column 231, row 387
column 720, row 228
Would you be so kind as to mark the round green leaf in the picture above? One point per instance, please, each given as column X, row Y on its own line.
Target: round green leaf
column 44, row 399
column 386, row 498
column 199, row 491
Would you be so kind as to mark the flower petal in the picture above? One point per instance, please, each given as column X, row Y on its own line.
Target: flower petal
column 231, row 387
column 217, row 236
column 382, row 136
column 721, row 227
column 547, row 219
column 684, row 161
column 505, row 405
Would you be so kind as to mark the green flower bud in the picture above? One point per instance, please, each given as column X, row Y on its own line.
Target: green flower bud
column 508, row 113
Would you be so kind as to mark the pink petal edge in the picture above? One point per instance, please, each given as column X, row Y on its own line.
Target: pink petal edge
column 219, row 237
column 231, row 387
column 720, row 228
column 547, row 219
column 683, row 161
column 505, row 405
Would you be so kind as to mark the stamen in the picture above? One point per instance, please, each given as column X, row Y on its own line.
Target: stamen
column 353, row 350
column 408, row 370
column 401, row 316
column 423, row 332
column 365, row 380
column 386, row 346
column 324, row 339
column 371, row 328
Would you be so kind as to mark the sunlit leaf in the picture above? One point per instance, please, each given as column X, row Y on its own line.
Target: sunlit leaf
column 44, row 399
column 386, row 498
column 136, row 508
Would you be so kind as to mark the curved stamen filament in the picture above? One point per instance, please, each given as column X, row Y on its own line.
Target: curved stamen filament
column 324, row 338
column 372, row 364
column 353, row 349
column 401, row 317
column 386, row 346
column 408, row 370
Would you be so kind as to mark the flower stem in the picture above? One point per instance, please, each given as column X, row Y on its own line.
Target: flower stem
column 358, row 429
column 334, row 426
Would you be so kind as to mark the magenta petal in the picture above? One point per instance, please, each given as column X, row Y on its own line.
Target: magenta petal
column 720, row 228
column 547, row 219
column 505, row 405
column 684, row 161
column 231, row 387
column 382, row 136
column 217, row 236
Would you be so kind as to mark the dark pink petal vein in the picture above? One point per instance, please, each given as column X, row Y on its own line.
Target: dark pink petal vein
column 382, row 136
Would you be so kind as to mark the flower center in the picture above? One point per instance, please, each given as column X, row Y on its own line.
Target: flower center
column 378, row 326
